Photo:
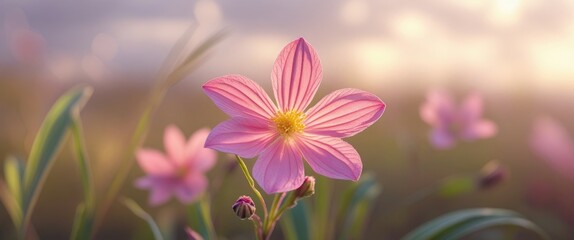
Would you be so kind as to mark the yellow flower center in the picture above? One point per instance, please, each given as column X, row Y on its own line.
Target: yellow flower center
column 289, row 122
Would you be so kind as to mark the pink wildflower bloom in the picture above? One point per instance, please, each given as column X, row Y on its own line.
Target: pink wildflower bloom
column 180, row 172
column 281, row 135
column 550, row 141
column 450, row 122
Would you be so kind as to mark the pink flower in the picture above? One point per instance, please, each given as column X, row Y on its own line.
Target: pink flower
column 550, row 141
column 450, row 122
column 281, row 135
column 179, row 172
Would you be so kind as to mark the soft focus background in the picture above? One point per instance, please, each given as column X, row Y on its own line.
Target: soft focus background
column 517, row 53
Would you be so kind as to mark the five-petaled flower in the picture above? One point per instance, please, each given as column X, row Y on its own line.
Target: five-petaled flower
column 281, row 135
column 180, row 172
column 450, row 122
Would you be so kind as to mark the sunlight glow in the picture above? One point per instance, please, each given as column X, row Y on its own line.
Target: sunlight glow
column 374, row 60
column 354, row 12
column 506, row 12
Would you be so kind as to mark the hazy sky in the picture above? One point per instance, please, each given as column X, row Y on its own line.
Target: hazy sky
column 496, row 44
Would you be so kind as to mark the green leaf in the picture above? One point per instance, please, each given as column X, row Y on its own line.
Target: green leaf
column 12, row 206
column 355, row 202
column 199, row 216
column 192, row 60
column 14, row 172
column 138, row 211
column 46, row 145
column 80, row 223
column 455, row 186
column 464, row 222
column 12, row 195
column 85, row 211
column 295, row 222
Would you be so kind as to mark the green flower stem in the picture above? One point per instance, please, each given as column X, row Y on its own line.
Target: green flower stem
column 275, row 206
column 137, row 210
column 252, row 184
column 270, row 222
column 84, row 231
column 257, row 226
column 290, row 202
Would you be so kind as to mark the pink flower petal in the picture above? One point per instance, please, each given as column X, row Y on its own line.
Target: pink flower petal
column 479, row 129
column 154, row 163
column 144, row 182
column 439, row 109
column 192, row 235
column 296, row 76
column 331, row 157
column 241, row 136
column 239, row 96
column 174, row 142
column 344, row 113
column 161, row 188
column 550, row 141
column 192, row 186
column 471, row 109
column 200, row 158
column 160, row 194
column 441, row 138
column 279, row 168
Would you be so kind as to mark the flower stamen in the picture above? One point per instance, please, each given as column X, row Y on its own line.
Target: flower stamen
column 289, row 122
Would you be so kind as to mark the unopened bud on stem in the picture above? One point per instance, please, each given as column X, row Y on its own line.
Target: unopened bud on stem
column 491, row 174
column 307, row 188
column 244, row 207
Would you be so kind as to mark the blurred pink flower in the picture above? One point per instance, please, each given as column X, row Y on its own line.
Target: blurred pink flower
column 282, row 135
column 180, row 171
column 450, row 122
column 192, row 235
column 550, row 141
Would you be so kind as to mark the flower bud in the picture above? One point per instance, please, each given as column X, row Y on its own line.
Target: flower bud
column 307, row 188
column 244, row 207
column 491, row 174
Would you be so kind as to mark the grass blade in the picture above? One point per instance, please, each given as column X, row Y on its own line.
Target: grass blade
column 14, row 173
column 474, row 226
column 47, row 144
column 192, row 60
column 464, row 222
column 142, row 126
column 85, row 213
column 199, row 216
column 355, row 203
column 138, row 211
column 12, row 206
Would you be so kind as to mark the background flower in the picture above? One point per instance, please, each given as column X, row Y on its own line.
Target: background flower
column 180, row 171
column 550, row 142
column 450, row 122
